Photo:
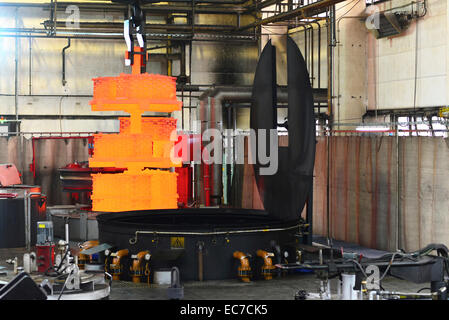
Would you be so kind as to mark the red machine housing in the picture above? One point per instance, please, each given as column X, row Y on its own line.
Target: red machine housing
column 186, row 142
column 184, row 185
column 45, row 256
column 76, row 177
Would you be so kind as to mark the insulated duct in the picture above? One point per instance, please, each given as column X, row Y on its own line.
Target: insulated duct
column 212, row 103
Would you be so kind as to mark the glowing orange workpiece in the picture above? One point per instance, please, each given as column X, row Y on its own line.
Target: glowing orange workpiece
column 143, row 145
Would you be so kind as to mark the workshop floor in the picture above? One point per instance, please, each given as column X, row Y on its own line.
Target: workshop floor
column 277, row 289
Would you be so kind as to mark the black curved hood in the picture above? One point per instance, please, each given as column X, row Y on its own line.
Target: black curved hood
column 284, row 194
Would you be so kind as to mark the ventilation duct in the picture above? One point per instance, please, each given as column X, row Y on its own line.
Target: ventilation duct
column 391, row 24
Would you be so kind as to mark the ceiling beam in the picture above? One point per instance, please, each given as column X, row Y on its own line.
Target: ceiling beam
column 301, row 13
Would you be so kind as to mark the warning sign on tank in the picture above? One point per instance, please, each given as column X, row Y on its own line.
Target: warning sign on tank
column 177, row 242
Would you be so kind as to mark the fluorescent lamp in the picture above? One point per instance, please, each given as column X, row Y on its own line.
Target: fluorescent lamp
column 373, row 128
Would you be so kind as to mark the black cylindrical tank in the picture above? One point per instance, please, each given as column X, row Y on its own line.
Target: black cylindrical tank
column 175, row 237
column 12, row 218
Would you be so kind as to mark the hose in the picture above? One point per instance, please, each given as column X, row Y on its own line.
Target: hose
column 385, row 272
column 388, row 268
column 360, row 267
column 51, row 267
column 147, row 272
column 62, row 260
column 65, row 283
column 106, row 269
column 57, row 271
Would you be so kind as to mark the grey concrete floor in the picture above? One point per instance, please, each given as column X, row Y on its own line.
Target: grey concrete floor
column 277, row 289
column 283, row 288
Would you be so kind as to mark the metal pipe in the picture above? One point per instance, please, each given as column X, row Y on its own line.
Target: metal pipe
column 27, row 227
column 27, row 197
column 257, row 6
column 209, row 112
column 40, row 33
column 63, row 61
column 51, row 7
column 193, row 17
column 312, row 55
column 106, row 5
column 332, row 43
column 215, row 113
column 16, row 75
column 29, row 65
column 416, row 64
column 305, row 46
column 55, row 15
column 408, row 294
column 348, row 293
column 304, row 26
column 200, row 260
column 371, row 295
column 179, row 87
column 328, row 140
column 301, row 12
column 117, row 27
column 319, row 54
column 67, row 238
column 231, row 6
column 186, row 233
column 319, row 61
column 397, row 190
column 183, row 64
column 377, row 132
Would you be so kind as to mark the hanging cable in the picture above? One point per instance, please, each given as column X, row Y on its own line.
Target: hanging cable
column 65, row 283
column 388, row 268
column 416, row 68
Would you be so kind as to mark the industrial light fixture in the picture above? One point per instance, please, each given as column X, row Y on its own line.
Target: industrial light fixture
column 394, row 21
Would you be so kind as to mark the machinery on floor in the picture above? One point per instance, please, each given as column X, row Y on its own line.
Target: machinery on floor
column 72, row 285
column 147, row 234
column 360, row 278
column 21, row 206
column 53, row 273
column 202, row 242
column 199, row 155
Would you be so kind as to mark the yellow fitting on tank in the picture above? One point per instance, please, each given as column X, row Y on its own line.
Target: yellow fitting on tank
column 138, row 269
column 116, row 265
column 244, row 270
column 267, row 268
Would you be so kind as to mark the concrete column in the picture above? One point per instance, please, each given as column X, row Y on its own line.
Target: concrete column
column 447, row 53
column 350, row 65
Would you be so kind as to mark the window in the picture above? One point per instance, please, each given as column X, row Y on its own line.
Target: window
column 423, row 126
column 370, row 2
column 439, row 127
column 3, row 128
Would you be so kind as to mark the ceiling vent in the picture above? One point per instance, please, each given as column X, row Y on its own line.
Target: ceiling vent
column 391, row 24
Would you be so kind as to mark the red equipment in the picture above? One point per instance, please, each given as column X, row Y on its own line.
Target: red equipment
column 9, row 175
column 184, row 185
column 186, row 151
column 45, row 256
